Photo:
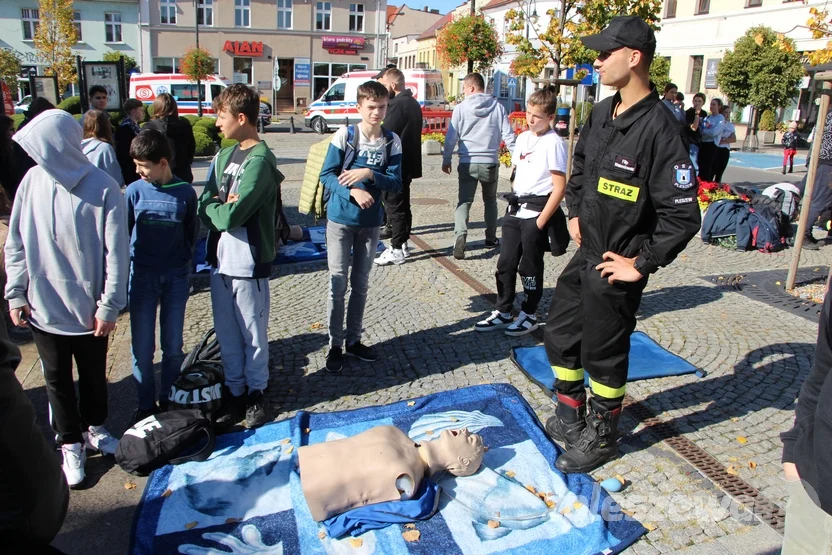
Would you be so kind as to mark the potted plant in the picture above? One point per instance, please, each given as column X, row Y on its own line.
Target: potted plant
column 767, row 127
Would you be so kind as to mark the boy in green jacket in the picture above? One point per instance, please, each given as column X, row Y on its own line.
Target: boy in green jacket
column 238, row 206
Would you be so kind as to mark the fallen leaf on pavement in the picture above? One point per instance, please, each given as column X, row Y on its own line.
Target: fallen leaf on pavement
column 752, row 465
column 290, row 449
column 129, row 485
column 493, row 523
column 735, row 419
column 191, row 525
column 316, row 326
column 531, row 489
column 577, row 505
column 356, row 542
column 510, row 474
column 411, row 536
column 285, row 441
column 650, row 526
column 411, row 403
column 742, row 440
column 550, row 503
column 732, row 470
column 733, row 459
column 167, row 493
column 566, row 510
column 321, row 535
column 628, row 513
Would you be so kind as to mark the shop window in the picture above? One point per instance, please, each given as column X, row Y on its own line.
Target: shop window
column 242, row 70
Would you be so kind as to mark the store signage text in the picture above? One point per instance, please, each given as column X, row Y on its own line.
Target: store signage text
column 343, row 45
column 241, row 47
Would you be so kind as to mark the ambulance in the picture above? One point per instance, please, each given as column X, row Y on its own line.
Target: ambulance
column 338, row 104
column 146, row 86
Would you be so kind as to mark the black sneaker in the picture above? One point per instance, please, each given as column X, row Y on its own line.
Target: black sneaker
column 334, row 360
column 141, row 414
column 233, row 411
column 459, row 247
column 810, row 243
column 492, row 244
column 257, row 409
column 362, row 352
column 386, row 232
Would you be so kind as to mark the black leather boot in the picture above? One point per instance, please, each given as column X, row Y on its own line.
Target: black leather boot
column 791, row 166
column 784, row 170
column 569, row 421
column 598, row 442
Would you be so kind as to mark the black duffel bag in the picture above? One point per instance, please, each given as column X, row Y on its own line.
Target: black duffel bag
column 172, row 437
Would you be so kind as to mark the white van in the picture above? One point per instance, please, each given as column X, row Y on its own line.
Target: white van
column 338, row 104
column 146, row 86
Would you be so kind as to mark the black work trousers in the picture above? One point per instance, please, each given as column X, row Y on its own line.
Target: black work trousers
column 707, row 160
column 521, row 252
column 399, row 215
column 71, row 415
column 821, row 194
column 588, row 329
column 721, row 162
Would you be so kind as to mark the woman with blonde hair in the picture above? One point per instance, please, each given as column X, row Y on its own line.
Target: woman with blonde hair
column 98, row 144
column 179, row 133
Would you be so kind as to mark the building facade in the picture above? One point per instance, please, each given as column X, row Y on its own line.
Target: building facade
column 695, row 34
column 290, row 50
column 404, row 22
column 102, row 27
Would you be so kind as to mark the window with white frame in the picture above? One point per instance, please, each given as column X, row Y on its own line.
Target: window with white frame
column 171, row 65
column 205, row 13
column 284, row 14
column 323, row 16
column 242, row 13
column 112, row 27
column 167, row 9
column 357, row 18
column 30, row 18
column 76, row 22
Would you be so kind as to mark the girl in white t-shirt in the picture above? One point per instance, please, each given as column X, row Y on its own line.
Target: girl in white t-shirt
column 534, row 210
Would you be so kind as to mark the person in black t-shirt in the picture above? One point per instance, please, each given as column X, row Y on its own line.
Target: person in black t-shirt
column 693, row 116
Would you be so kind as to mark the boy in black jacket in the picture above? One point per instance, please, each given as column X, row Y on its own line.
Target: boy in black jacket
column 807, row 456
column 404, row 118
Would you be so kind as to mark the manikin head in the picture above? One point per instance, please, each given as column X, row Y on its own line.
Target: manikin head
column 458, row 452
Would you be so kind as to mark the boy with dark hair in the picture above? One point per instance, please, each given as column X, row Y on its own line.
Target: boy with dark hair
column 669, row 100
column 362, row 161
column 534, row 209
column 161, row 218
column 124, row 135
column 238, row 205
column 98, row 97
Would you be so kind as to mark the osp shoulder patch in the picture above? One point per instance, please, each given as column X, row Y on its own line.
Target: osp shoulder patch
column 683, row 176
column 618, row 190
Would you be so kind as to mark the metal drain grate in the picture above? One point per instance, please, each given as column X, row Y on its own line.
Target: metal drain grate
column 768, row 287
column 740, row 490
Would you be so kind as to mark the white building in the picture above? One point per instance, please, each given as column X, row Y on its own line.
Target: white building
column 695, row 34
column 102, row 27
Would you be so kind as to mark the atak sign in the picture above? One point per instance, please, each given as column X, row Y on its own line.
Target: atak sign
column 343, row 45
column 243, row 48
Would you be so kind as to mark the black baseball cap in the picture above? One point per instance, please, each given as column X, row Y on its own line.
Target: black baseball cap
column 627, row 30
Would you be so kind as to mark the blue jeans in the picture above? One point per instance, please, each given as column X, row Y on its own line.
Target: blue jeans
column 170, row 288
column 346, row 246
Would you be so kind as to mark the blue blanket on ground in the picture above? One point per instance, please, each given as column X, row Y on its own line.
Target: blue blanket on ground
column 247, row 496
column 648, row 360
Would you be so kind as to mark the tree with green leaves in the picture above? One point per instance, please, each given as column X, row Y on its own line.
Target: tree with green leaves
column 129, row 62
column 197, row 64
column 10, row 69
column 470, row 39
column 660, row 72
column 558, row 44
column 763, row 70
column 54, row 39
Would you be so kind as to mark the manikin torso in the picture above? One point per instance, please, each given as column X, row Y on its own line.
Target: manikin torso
column 344, row 474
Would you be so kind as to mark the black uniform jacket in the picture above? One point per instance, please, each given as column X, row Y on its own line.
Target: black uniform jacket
column 404, row 118
column 633, row 185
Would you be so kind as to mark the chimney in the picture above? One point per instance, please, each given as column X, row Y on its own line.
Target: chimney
column 435, row 11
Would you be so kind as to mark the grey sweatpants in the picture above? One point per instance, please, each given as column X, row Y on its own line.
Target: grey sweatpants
column 347, row 246
column 241, row 320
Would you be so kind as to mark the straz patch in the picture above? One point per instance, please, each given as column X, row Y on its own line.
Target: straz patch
column 625, row 164
column 617, row 190
column 683, row 176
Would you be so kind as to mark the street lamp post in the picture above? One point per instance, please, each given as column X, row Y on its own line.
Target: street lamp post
column 198, row 83
column 530, row 19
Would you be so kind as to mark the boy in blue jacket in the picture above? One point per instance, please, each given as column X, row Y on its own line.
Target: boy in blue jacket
column 362, row 161
column 161, row 217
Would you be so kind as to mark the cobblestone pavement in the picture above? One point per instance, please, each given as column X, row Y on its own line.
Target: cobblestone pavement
column 420, row 317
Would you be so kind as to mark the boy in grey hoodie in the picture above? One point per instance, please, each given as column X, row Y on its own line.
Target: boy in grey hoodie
column 67, row 259
column 479, row 124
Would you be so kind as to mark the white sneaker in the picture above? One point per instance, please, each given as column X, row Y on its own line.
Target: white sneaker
column 524, row 324
column 390, row 256
column 405, row 249
column 99, row 439
column 75, row 457
column 496, row 321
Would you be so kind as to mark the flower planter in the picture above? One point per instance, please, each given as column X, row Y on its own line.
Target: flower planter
column 767, row 137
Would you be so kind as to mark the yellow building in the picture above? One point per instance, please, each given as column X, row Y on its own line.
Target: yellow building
column 427, row 57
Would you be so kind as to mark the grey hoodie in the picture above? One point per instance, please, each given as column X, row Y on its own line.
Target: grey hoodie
column 103, row 156
column 67, row 254
column 480, row 124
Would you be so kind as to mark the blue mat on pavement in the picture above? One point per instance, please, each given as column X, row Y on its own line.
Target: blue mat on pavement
column 247, row 496
column 648, row 360
column 311, row 247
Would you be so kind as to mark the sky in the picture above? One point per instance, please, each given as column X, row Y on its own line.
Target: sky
column 444, row 6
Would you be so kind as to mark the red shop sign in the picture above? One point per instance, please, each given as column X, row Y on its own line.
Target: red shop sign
column 330, row 43
column 241, row 47
column 342, row 51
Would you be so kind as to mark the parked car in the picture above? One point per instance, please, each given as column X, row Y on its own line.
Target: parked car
column 23, row 105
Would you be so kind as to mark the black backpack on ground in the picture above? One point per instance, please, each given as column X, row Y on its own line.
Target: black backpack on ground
column 200, row 382
column 172, row 437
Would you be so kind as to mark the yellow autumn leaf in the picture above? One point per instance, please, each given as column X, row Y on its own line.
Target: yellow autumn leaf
column 129, row 485
column 531, row 489
column 411, row 535
column 493, row 523
column 628, row 513
column 191, row 525
column 733, row 459
column 550, row 503
column 356, row 542
column 290, row 449
column 411, row 403
column 510, row 474
column 167, row 493
column 566, row 510
column 316, row 326
column 752, row 465
column 577, row 505
column 732, row 470
column 742, row 440
column 650, row 526
column 321, row 535
column 285, row 441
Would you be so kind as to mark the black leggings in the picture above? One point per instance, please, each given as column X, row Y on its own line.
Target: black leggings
column 707, row 161
column 721, row 162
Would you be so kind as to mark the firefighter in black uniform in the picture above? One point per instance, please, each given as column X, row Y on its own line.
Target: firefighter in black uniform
column 632, row 208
